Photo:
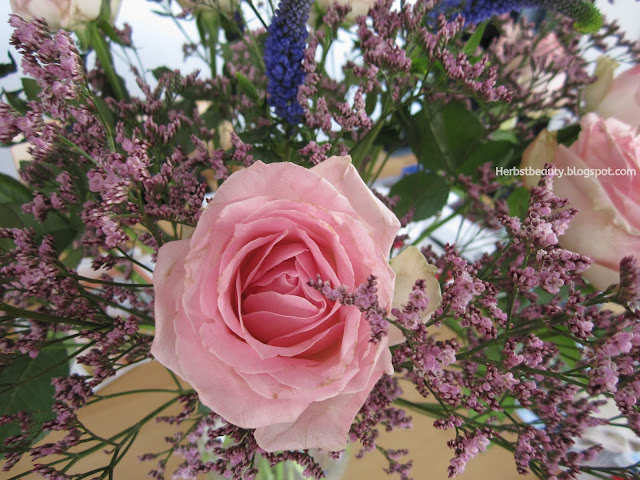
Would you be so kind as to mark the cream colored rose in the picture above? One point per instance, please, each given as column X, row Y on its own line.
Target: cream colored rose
column 617, row 97
column 358, row 7
column 225, row 6
column 601, row 178
column 409, row 266
column 66, row 14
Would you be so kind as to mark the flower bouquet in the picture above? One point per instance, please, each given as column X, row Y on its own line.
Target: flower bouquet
column 250, row 228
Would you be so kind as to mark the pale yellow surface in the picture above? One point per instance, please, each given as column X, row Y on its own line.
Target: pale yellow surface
column 427, row 445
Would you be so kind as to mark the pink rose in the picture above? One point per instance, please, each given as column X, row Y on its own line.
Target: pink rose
column 236, row 319
column 618, row 97
column 607, row 227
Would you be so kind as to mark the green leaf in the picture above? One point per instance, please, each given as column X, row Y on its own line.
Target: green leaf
column 13, row 195
column 267, row 154
column 25, row 384
column 245, row 85
column 9, row 218
column 443, row 139
column 508, row 403
column 257, row 135
column 160, row 71
column 11, row 190
column 505, row 135
column 422, row 140
column 419, row 61
column 518, row 202
column 499, row 153
column 106, row 28
column 13, row 99
column 8, row 68
column 462, row 129
column 570, row 352
column 72, row 260
column 103, row 52
column 31, row 88
column 474, row 41
column 392, row 137
column 426, row 192
column 568, row 135
column 370, row 103
column 104, row 110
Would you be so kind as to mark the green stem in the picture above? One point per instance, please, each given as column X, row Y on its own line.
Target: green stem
column 76, row 148
column 113, row 284
column 43, row 317
column 149, row 225
column 133, row 260
column 436, row 225
column 47, row 370
column 360, row 150
column 370, row 179
column 257, row 13
column 208, row 26
column 132, row 311
column 99, row 398
column 547, row 373
column 101, row 48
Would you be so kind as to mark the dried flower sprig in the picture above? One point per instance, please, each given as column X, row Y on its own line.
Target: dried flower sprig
column 504, row 354
column 112, row 180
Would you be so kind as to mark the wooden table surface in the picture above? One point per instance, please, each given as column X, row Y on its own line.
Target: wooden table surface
column 427, row 445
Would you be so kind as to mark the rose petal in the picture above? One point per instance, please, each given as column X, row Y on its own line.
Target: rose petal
column 594, row 93
column 381, row 223
column 409, row 266
column 269, row 315
column 323, row 424
column 168, row 274
column 623, row 98
column 225, row 392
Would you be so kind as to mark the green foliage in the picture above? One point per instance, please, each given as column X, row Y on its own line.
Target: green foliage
column 104, row 111
column 13, row 99
column 426, row 192
column 499, row 153
column 13, row 195
column 8, row 68
column 442, row 138
column 518, row 202
column 568, row 135
column 30, row 88
column 247, row 87
column 474, row 41
column 103, row 52
column 25, row 384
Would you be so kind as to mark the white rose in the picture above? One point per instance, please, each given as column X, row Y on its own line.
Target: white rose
column 65, row 14
column 358, row 7
column 614, row 97
column 225, row 6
